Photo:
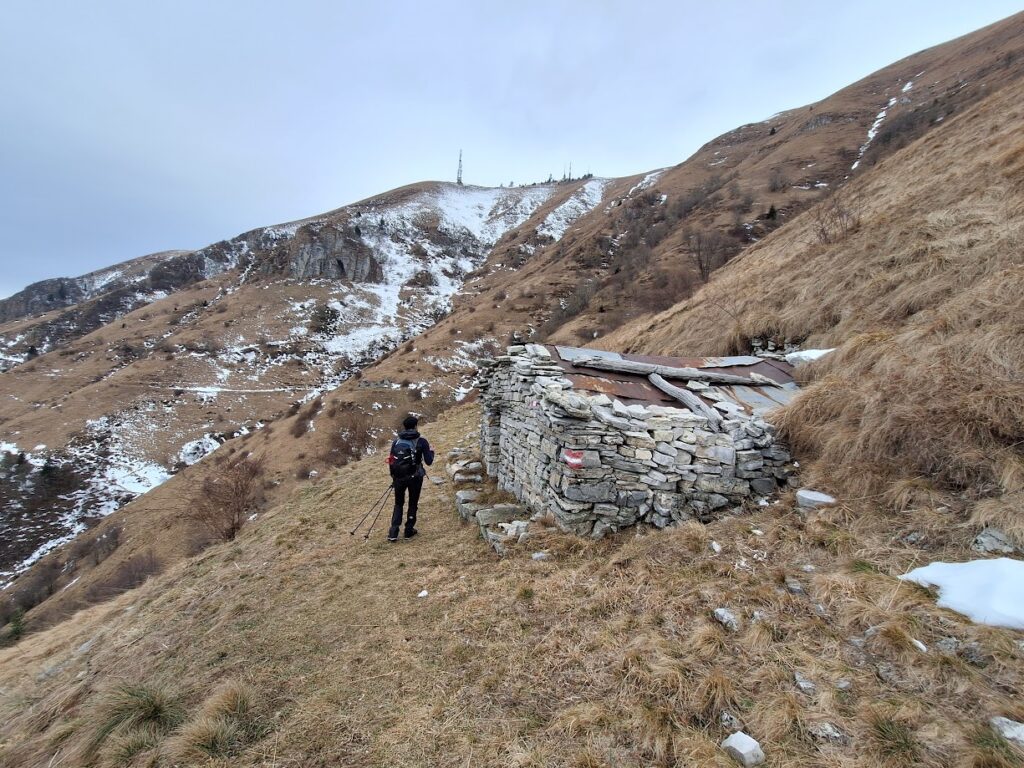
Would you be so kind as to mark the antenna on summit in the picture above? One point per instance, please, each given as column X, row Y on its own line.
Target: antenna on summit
column 458, row 178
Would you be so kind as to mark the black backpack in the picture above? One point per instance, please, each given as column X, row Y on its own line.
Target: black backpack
column 404, row 462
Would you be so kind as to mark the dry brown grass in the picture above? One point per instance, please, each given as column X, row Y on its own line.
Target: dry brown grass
column 604, row 655
column 923, row 399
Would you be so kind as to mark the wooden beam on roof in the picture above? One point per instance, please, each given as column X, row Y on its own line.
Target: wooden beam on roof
column 668, row 372
column 687, row 398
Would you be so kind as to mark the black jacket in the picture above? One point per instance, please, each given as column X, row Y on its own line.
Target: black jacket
column 424, row 454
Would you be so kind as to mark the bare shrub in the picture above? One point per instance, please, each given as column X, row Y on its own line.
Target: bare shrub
column 323, row 319
column 422, row 279
column 570, row 306
column 777, row 181
column 350, row 436
column 708, row 250
column 301, row 424
column 29, row 591
column 223, row 501
column 127, row 575
column 95, row 549
column 833, row 220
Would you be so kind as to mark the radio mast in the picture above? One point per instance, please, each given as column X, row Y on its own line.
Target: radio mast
column 458, row 179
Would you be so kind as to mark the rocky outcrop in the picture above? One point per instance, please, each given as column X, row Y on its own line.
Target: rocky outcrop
column 332, row 252
column 41, row 297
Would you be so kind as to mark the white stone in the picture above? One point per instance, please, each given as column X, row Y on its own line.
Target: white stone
column 541, row 556
column 804, row 684
column 727, row 619
column 743, row 749
column 514, row 529
column 993, row 541
column 808, row 499
column 1010, row 730
column 729, row 720
column 827, row 732
column 424, row 593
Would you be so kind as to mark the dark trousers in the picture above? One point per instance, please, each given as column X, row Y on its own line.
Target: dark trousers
column 413, row 485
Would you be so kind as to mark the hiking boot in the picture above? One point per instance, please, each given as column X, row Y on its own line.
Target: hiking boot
column 392, row 538
column 410, row 533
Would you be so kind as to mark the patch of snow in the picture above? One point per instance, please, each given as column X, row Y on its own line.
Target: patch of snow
column 908, row 86
column 197, row 450
column 646, row 181
column 807, row 355
column 873, row 131
column 582, row 202
column 986, row 591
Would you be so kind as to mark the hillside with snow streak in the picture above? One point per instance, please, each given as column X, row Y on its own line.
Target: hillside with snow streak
column 276, row 316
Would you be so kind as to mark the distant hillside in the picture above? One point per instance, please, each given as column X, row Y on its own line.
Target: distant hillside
column 119, row 393
column 913, row 273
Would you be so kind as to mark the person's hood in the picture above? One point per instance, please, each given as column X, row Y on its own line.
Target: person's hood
column 408, row 434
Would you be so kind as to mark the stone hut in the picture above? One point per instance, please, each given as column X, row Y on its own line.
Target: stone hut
column 602, row 440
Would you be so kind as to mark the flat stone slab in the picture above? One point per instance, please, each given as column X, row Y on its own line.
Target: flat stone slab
column 743, row 749
column 467, row 495
column 808, row 499
column 501, row 513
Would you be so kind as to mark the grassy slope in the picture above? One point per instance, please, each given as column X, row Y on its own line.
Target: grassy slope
column 605, row 655
column 924, row 302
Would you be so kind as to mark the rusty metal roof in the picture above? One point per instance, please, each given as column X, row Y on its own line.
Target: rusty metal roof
column 635, row 388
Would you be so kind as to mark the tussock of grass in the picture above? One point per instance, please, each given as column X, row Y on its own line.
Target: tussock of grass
column 894, row 740
column 146, row 711
column 207, row 737
column 131, row 748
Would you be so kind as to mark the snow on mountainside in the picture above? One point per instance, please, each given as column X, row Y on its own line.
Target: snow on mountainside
column 585, row 200
column 307, row 305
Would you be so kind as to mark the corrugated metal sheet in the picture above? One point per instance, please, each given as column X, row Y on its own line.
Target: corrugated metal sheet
column 635, row 389
column 630, row 388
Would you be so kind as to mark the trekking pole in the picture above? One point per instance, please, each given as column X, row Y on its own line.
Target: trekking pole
column 380, row 509
column 370, row 510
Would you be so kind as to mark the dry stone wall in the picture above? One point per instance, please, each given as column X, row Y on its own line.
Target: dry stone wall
column 597, row 465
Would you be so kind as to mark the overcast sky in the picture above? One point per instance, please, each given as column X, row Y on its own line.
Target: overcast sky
column 146, row 125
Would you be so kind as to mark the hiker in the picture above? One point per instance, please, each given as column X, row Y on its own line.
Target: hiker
column 408, row 452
